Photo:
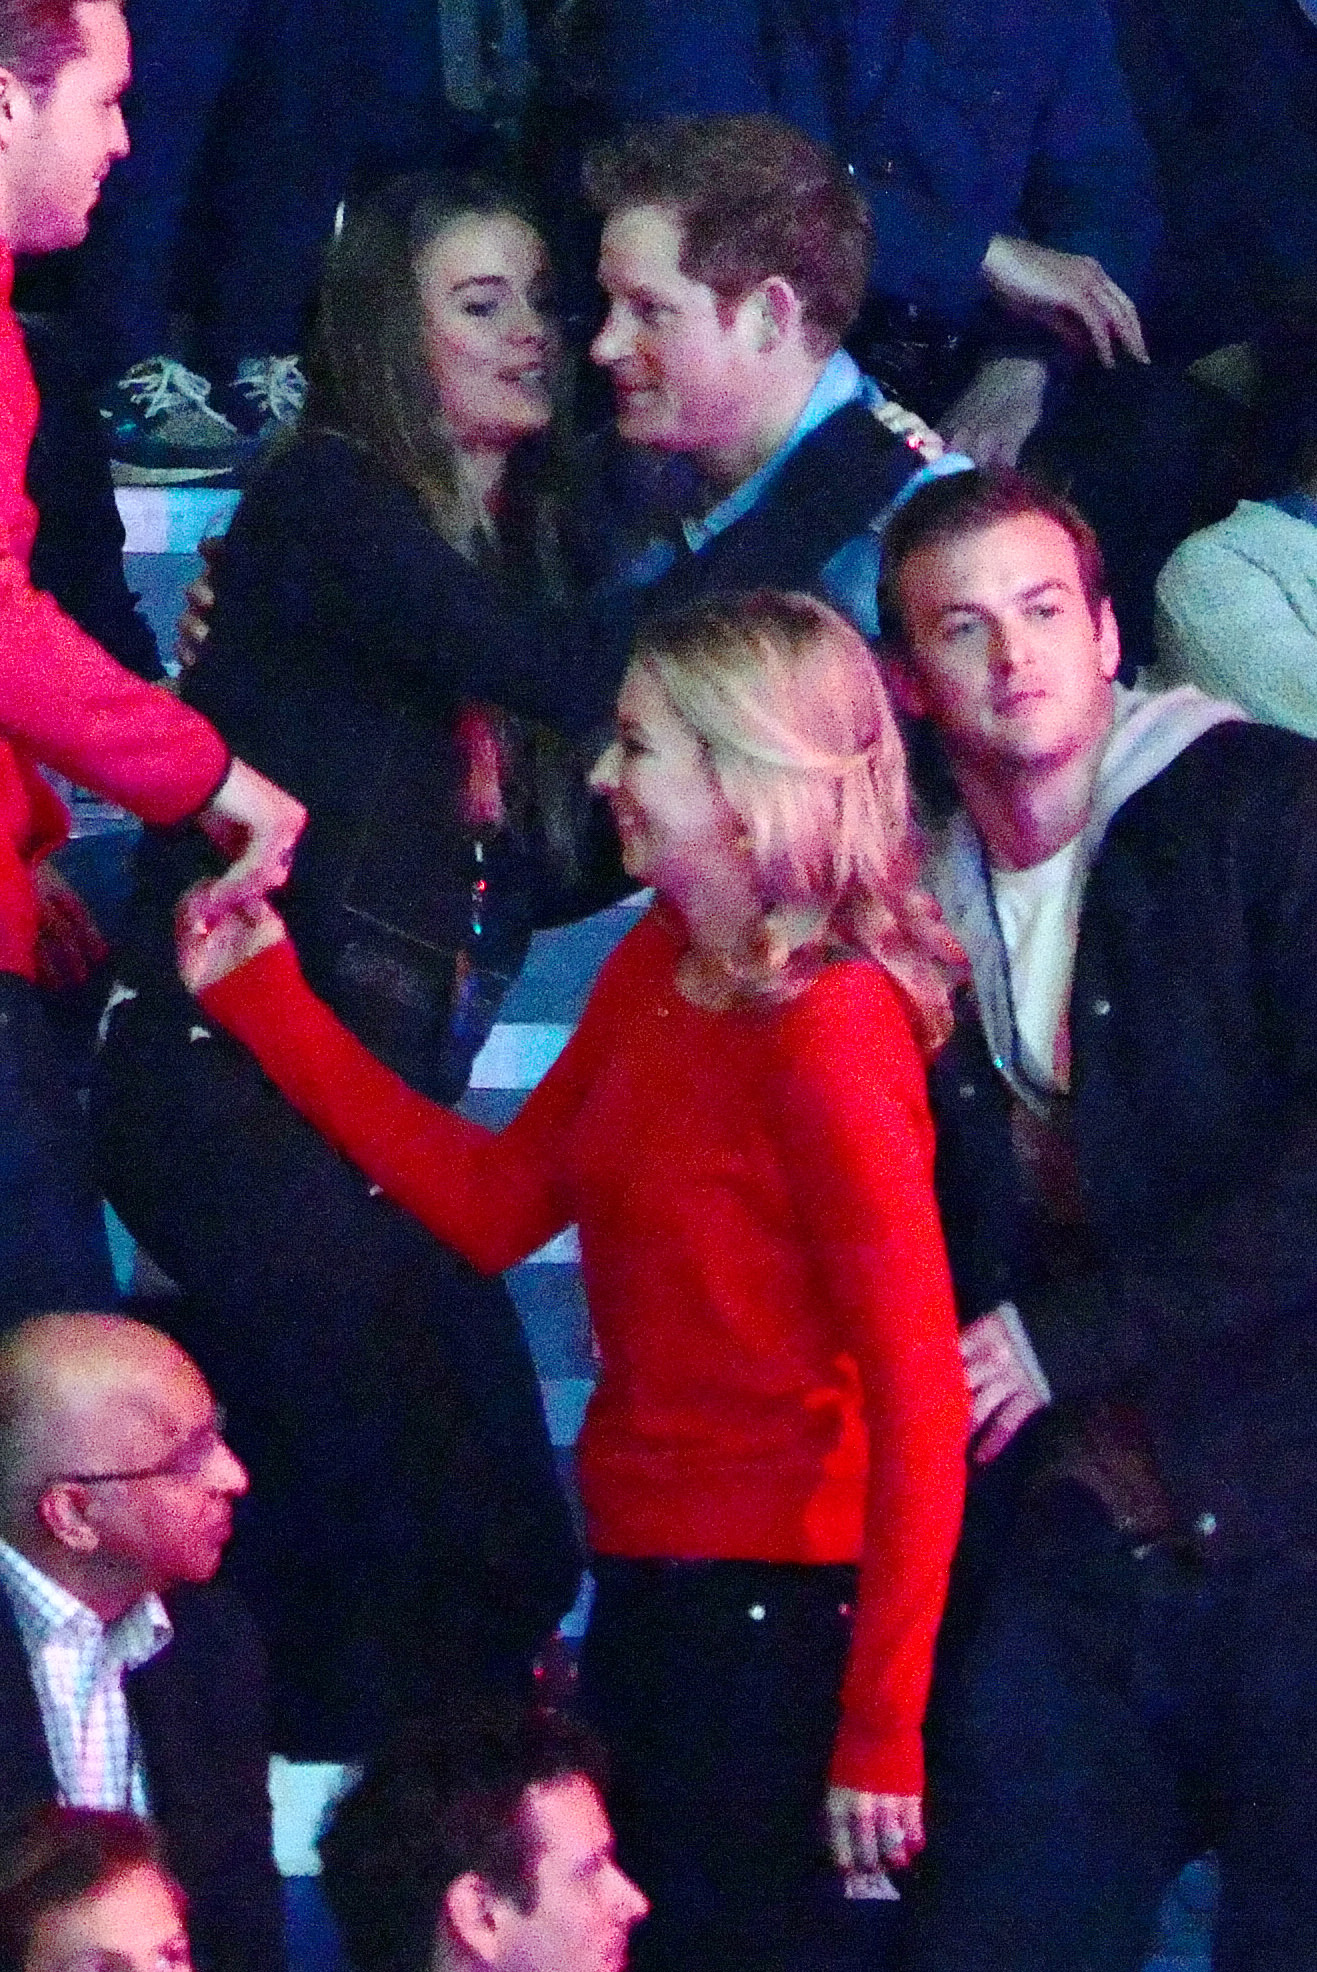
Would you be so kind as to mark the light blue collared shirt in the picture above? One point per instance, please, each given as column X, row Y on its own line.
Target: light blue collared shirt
column 850, row 579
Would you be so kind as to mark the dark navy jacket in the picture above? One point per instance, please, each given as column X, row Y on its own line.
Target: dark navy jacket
column 198, row 1710
column 1194, row 1100
column 1227, row 93
column 347, row 635
column 959, row 118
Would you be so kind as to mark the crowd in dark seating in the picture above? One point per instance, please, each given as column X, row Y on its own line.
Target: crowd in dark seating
column 933, row 382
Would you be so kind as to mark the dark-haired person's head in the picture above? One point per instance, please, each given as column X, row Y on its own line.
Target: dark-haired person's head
column 481, row 1841
column 434, row 346
column 82, row 1890
column 64, row 64
column 734, row 257
column 945, row 510
column 999, row 629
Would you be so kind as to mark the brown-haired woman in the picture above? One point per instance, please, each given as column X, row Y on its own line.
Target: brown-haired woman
column 408, row 555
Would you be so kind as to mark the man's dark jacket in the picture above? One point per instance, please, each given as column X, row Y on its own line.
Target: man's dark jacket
column 1226, row 91
column 199, row 1716
column 1194, row 1101
column 959, row 119
column 839, row 480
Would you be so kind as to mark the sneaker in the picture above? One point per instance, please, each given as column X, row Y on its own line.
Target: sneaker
column 164, row 431
column 266, row 396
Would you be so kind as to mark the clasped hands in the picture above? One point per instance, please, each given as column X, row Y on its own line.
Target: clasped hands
column 210, row 945
column 1073, row 297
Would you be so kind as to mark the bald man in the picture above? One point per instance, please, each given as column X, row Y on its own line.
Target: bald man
column 127, row 1678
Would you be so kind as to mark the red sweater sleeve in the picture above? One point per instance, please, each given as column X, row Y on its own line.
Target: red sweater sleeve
column 853, row 1124
column 68, row 704
column 495, row 1196
column 63, row 700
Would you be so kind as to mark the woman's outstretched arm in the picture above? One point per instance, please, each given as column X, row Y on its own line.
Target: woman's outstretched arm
column 495, row 1196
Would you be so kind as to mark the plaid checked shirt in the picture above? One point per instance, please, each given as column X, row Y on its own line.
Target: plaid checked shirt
column 78, row 1665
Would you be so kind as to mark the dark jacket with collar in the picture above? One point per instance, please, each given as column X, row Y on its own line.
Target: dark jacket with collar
column 959, row 120
column 1194, row 1105
column 347, row 636
column 835, row 484
column 198, row 1709
column 1226, row 91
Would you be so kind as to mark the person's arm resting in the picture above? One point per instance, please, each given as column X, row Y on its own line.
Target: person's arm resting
column 1231, row 626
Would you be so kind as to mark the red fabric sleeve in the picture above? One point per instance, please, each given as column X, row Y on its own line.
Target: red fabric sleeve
column 495, row 1196
column 852, row 1120
column 68, row 704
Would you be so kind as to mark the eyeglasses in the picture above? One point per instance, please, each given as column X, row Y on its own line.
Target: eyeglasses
column 187, row 1461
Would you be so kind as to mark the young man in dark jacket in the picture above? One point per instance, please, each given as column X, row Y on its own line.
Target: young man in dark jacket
column 733, row 259
column 994, row 144
column 1128, row 1168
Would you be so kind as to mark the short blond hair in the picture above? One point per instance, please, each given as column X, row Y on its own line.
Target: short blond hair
column 785, row 698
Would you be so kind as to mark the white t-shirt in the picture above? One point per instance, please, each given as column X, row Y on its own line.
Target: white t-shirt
column 1038, row 911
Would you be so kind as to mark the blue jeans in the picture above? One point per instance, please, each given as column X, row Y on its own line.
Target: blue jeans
column 240, row 115
column 249, row 120
column 1118, row 1709
column 53, row 1249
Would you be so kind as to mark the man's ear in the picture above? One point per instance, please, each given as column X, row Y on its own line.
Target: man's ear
column 773, row 312
column 13, row 95
column 62, row 1511
column 901, row 679
column 469, row 1914
column 1108, row 639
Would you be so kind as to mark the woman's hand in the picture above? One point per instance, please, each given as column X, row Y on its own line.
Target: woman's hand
column 921, row 438
column 210, row 948
column 256, row 825
column 873, row 1832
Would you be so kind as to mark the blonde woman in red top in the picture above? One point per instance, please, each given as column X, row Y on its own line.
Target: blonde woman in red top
column 772, row 1462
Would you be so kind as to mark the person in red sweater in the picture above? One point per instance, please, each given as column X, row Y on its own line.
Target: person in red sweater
column 64, row 702
column 772, row 1463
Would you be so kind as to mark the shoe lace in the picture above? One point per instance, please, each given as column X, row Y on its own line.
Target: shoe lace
column 162, row 384
column 275, row 384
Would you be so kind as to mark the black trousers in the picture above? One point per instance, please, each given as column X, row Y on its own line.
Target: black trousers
column 241, row 116
column 1117, row 1709
column 53, row 1250
column 405, row 1535
column 716, row 1687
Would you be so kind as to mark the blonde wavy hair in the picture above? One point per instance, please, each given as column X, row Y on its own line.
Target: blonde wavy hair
column 786, row 700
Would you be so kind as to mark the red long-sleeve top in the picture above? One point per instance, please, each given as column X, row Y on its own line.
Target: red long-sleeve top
column 63, row 700
column 764, row 1267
